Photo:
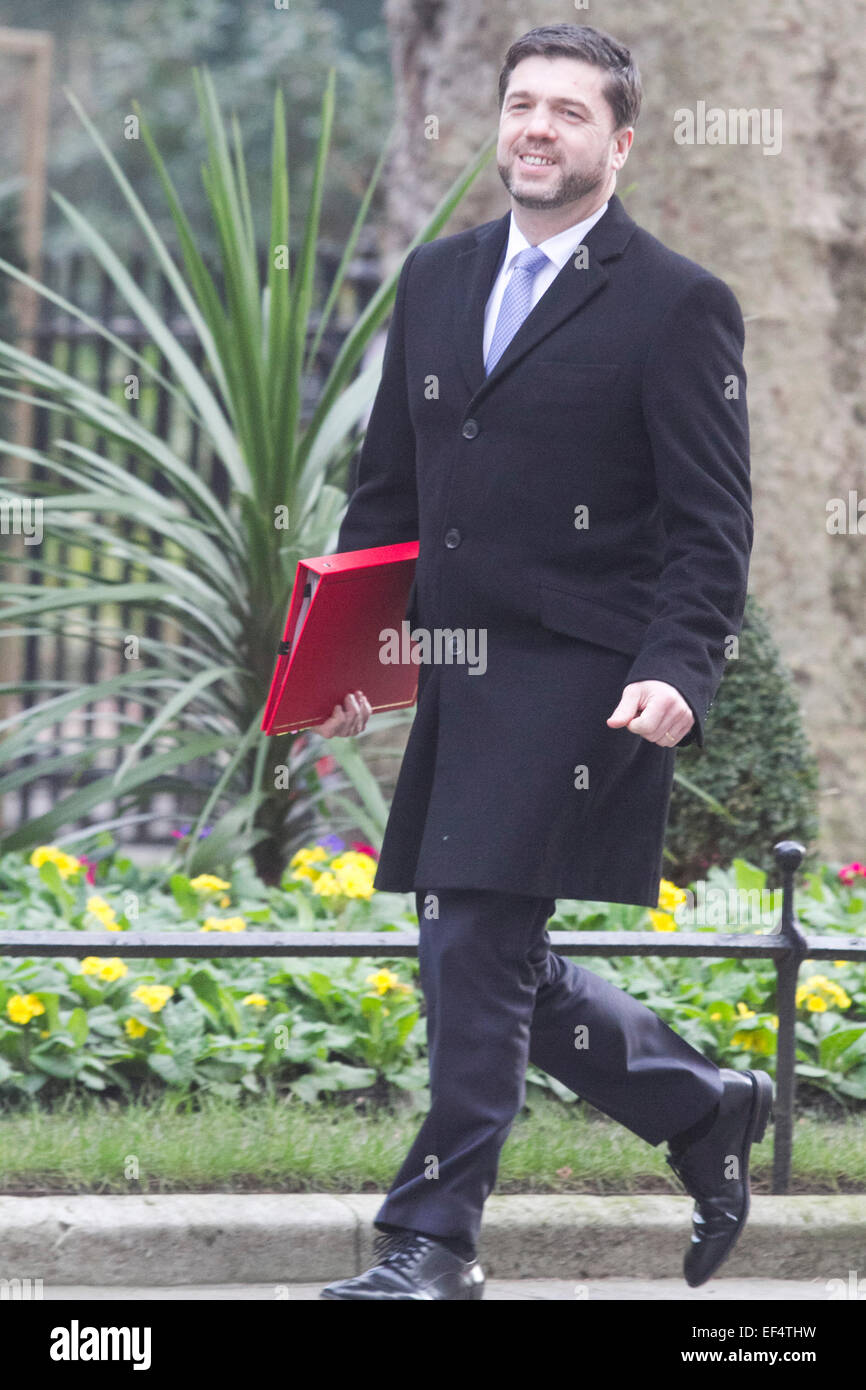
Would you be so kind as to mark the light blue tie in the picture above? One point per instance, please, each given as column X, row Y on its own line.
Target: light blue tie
column 515, row 302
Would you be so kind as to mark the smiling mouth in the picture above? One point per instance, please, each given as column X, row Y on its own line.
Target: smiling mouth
column 536, row 161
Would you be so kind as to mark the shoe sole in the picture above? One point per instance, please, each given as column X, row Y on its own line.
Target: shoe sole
column 763, row 1110
column 476, row 1293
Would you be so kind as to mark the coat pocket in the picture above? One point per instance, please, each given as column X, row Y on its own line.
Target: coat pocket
column 577, row 615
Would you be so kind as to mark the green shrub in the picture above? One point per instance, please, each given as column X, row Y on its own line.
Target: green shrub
column 756, row 763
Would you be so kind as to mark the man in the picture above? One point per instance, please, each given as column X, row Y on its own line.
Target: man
column 561, row 423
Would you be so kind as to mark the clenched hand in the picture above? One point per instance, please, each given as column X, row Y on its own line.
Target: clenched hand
column 347, row 719
column 655, row 710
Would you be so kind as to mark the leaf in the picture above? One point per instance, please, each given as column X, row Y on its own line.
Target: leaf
column 166, row 1068
column 53, row 1065
column 405, row 1026
column 53, row 880
column 830, row 1048
column 747, row 876
column 207, row 990
column 77, row 1026
column 92, row 1079
column 185, row 896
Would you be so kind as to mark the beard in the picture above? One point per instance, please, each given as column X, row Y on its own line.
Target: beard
column 572, row 185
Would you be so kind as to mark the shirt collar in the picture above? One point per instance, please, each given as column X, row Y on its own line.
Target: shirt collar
column 558, row 248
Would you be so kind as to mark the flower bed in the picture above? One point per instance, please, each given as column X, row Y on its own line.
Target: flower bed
column 312, row 1026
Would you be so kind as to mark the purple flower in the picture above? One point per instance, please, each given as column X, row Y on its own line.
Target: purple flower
column 332, row 843
column 185, row 829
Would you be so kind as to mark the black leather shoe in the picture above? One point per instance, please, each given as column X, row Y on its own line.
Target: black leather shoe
column 715, row 1171
column 412, row 1266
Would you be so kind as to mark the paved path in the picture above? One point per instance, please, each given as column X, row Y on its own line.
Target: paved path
column 544, row 1290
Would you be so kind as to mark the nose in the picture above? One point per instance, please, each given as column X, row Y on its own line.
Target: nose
column 538, row 123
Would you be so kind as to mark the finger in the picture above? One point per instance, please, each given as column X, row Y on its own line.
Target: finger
column 327, row 727
column 352, row 715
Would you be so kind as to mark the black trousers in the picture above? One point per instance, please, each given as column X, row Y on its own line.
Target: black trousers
column 498, row 996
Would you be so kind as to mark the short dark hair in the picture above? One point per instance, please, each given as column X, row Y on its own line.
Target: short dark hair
column 622, row 89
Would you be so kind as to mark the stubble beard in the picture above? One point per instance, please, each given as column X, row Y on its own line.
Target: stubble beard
column 573, row 184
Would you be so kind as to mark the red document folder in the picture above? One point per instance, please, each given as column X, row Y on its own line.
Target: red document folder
column 331, row 643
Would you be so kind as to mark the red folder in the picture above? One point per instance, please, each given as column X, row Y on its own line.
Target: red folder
column 331, row 644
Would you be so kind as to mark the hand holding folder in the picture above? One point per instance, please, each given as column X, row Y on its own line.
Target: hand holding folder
column 331, row 644
column 347, row 719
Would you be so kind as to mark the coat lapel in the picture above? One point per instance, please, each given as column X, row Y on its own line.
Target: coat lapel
column 476, row 270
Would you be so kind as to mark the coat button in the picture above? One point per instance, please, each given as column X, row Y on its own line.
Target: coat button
column 452, row 538
column 470, row 429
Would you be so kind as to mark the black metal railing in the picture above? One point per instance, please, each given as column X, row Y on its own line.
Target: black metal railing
column 786, row 945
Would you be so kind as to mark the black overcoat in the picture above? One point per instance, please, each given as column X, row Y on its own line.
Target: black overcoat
column 588, row 506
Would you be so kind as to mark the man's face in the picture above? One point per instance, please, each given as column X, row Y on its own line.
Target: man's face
column 554, row 108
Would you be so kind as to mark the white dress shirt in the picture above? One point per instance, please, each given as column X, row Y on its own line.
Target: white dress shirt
column 557, row 248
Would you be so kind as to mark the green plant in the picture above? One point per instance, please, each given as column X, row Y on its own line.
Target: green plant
column 755, row 782
column 223, row 571
column 233, row 1025
column 224, row 1026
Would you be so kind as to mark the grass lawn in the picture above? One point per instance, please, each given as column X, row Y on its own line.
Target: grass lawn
column 274, row 1145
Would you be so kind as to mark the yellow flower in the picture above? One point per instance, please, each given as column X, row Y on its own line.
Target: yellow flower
column 224, row 900
column 257, row 1001
column 826, row 991
column 301, row 863
column 744, row 1012
column 113, row 968
column 103, row 911
column 45, row 1033
column 22, row 1007
column 670, row 896
column 326, row 885
column 67, row 864
column 154, row 997
column 110, row 968
column 305, row 871
column 306, row 856
column 662, row 921
column 134, row 1029
column 385, row 980
column 208, row 883
column 226, row 924
column 355, row 882
column 714, row 1018
column 755, row 1042
column 353, row 858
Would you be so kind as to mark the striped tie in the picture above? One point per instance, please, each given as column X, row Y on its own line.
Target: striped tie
column 515, row 302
